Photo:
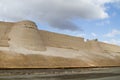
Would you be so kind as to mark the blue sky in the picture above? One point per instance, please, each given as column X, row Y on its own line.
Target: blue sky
column 82, row 18
column 106, row 30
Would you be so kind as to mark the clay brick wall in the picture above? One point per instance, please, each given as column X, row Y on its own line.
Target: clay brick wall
column 93, row 45
column 25, row 34
column 5, row 28
column 62, row 41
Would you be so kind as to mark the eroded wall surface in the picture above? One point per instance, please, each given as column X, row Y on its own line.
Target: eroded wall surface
column 22, row 34
column 25, row 34
column 5, row 28
column 61, row 40
column 22, row 42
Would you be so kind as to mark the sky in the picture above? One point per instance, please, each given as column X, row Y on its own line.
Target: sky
column 90, row 19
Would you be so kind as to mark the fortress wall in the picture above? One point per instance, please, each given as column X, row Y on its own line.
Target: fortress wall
column 110, row 47
column 26, row 35
column 5, row 28
column 62, row 41
column 93, row 45
column 97, row 46
column 102, row 47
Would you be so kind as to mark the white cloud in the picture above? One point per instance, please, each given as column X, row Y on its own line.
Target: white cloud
column 113, row 41
column 56, row 13
column 80, row 35
column 113, row 33
column 93, row 34
column 102, row 23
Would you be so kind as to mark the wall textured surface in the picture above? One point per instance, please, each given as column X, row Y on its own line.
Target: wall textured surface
column 26, row 35
column 5, row 28
column 61, row 40
column 22, row 42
